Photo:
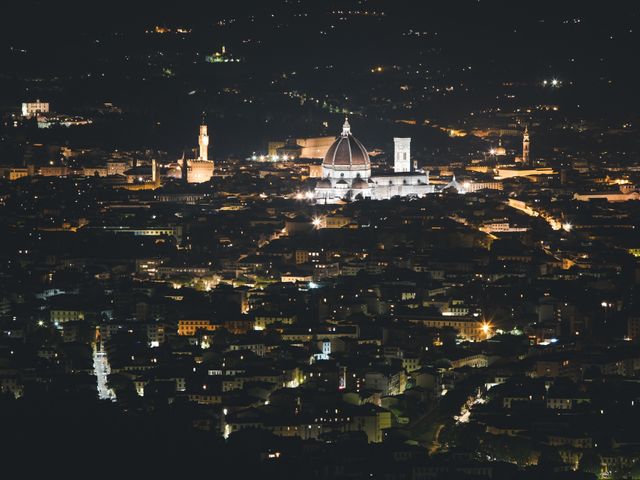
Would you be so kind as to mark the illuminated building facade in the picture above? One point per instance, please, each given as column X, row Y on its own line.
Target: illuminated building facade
column 526, row 156
column 190, row 327
column 199, row 170
column 402, row 155
column 203, row 143
column 346, row 173
column 30, row 109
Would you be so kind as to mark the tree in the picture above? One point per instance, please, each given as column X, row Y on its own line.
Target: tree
column 634, row 471
column 505, row 448
column 461, row 435
column 549, row 456
column 590, row 462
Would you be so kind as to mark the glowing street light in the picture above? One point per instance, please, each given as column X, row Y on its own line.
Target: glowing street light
column 567, row 227
column 316, row 222
column 485, row 327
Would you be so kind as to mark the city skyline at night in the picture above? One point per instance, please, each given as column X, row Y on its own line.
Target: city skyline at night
column 330, row 239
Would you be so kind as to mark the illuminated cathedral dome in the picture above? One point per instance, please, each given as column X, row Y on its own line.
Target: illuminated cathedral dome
column 346, row 173
column 347, row 154
column 500, row 151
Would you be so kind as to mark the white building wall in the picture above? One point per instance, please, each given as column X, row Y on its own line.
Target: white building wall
column 402, row 155
column 347, row 174
column 30, row 109
column 382, row 188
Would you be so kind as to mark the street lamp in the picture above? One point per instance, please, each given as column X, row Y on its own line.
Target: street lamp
column 485, row 327
column 606, row 306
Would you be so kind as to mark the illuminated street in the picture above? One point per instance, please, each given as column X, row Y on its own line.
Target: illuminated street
column 101, row 371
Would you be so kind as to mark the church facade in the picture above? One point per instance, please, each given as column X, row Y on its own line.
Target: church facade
column 346, row 173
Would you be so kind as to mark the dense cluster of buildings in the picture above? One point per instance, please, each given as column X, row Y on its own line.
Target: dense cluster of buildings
column 456, row 296
column 508, row 311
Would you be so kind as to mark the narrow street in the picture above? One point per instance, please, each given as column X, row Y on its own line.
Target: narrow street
column 102, row 369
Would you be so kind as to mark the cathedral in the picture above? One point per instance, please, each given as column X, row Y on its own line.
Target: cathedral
column 346, row 173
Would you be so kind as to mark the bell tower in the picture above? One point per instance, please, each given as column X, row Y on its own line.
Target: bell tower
column 402, row 155
column 203, row 143
column 526, row 158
